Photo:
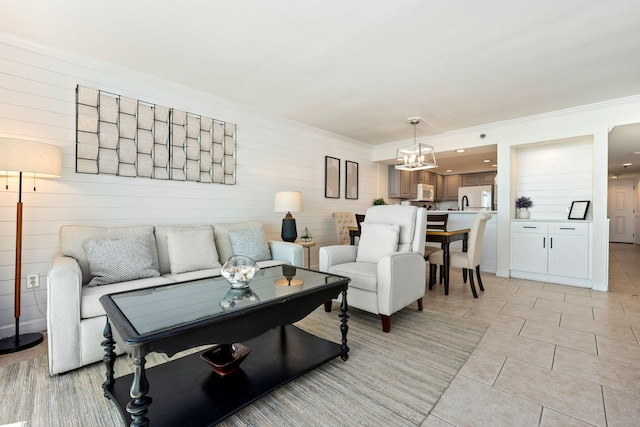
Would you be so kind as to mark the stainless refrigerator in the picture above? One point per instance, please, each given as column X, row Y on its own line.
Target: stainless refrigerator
column 476, row 198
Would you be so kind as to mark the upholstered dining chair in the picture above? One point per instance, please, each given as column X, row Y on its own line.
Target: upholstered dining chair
column 342, row 222
column 470, row 260
column 387, row 268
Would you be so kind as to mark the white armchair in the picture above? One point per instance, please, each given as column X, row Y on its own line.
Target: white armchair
column 387, row 268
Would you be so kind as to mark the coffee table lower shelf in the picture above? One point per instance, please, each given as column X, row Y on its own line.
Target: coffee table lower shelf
column 186, row 391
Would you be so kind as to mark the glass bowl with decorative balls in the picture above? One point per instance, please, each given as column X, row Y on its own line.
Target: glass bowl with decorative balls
column 239, row 270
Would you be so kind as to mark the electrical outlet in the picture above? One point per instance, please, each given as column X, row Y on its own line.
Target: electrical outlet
column 33, row 281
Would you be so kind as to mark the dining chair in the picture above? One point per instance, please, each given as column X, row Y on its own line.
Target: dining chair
column 434, row 222
column 470, row 260
column 342, row 222
column 359, row 221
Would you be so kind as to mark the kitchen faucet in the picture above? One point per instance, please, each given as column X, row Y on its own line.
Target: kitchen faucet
column 462, row 202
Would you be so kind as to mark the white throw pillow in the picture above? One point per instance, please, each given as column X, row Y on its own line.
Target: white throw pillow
column 191, row 250
column 376, row 241
column 119, row 260
column 250, row 242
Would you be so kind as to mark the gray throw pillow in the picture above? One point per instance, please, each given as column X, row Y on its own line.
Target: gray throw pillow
column 119, row 260
column 250, row 242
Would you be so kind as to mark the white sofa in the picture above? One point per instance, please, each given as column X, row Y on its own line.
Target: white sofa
column 177, row 253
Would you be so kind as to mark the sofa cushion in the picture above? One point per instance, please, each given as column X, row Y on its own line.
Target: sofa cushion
column 192, row 250
column 223, row 242
column 250, row 242
column 90, row 305
column 120, row 260
column 163, row 244
column 376, row 241
column 72, row 236
column 363, row 275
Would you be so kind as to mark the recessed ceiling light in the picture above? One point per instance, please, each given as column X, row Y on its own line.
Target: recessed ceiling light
column 636, row 152
column 614, row 177
column 460, row 150
column 494, row 166
column 626, row 164
column 449, row 170
column 486, row 161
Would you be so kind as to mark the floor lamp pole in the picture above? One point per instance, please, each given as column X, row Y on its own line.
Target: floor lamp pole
column 19, row 342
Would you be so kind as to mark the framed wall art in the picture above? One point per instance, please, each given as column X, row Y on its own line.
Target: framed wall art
column 579, row 209
column 351, row 180
column 331, row 177
column 122, row 136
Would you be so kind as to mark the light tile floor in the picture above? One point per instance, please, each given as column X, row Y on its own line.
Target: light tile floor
column 553, row 355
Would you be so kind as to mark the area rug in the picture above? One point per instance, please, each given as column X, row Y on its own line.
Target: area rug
column 391, row 379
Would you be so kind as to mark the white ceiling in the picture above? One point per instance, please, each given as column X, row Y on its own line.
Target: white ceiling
column 360, row 68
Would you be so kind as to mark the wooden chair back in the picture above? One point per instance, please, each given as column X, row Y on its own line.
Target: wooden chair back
column 437, row 221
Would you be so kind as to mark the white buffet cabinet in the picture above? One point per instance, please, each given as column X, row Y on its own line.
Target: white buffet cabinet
column 552, row 251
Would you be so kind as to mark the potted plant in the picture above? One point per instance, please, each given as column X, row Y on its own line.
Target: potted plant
column 523, row 204
column 379, row 201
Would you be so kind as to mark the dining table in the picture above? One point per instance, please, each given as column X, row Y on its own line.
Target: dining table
column 445, row 238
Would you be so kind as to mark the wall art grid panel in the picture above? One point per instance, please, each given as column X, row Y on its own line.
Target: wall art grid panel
column 126, row 137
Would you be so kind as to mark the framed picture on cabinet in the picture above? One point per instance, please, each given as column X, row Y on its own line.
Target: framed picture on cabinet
column 351, row 181
column 579, row 209
column 331, row 177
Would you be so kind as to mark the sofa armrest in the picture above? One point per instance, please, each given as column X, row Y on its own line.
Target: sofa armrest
column 336, row 254
column 292, row 252
column 64, row 288
column 401, row 281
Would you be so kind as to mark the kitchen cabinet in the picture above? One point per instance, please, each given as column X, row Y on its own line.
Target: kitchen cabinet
column 480, row 178
column 402, row 184
column 451, row 184
column 439, row 185
column 469, row 179
column 424, row 177
column 487, row 178
column 557, row 252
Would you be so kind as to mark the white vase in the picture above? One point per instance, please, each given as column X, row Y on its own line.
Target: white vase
column 523, row 213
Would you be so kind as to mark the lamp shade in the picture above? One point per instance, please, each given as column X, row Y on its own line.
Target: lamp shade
column 288, row 201
column 18, row 155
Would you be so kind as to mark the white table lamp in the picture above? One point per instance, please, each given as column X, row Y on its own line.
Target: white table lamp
column 288, row 201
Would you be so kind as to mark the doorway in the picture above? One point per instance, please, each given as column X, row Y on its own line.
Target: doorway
column 620, row 210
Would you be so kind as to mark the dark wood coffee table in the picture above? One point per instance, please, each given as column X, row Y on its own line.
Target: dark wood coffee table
column 176, row 317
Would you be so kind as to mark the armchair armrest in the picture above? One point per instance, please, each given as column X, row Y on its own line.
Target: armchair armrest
column 64, row 287
column 292, row 252
column 407, row 272
column 336, row 254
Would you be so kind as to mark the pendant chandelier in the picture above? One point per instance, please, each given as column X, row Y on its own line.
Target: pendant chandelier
column 417, row 156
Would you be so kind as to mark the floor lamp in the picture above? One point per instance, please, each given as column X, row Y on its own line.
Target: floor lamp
column 38, row 160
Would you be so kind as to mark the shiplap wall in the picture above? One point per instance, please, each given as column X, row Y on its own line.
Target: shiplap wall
column 554, row 174
column 37, row 96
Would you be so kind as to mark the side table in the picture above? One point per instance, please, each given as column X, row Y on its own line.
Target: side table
column 307, row 245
